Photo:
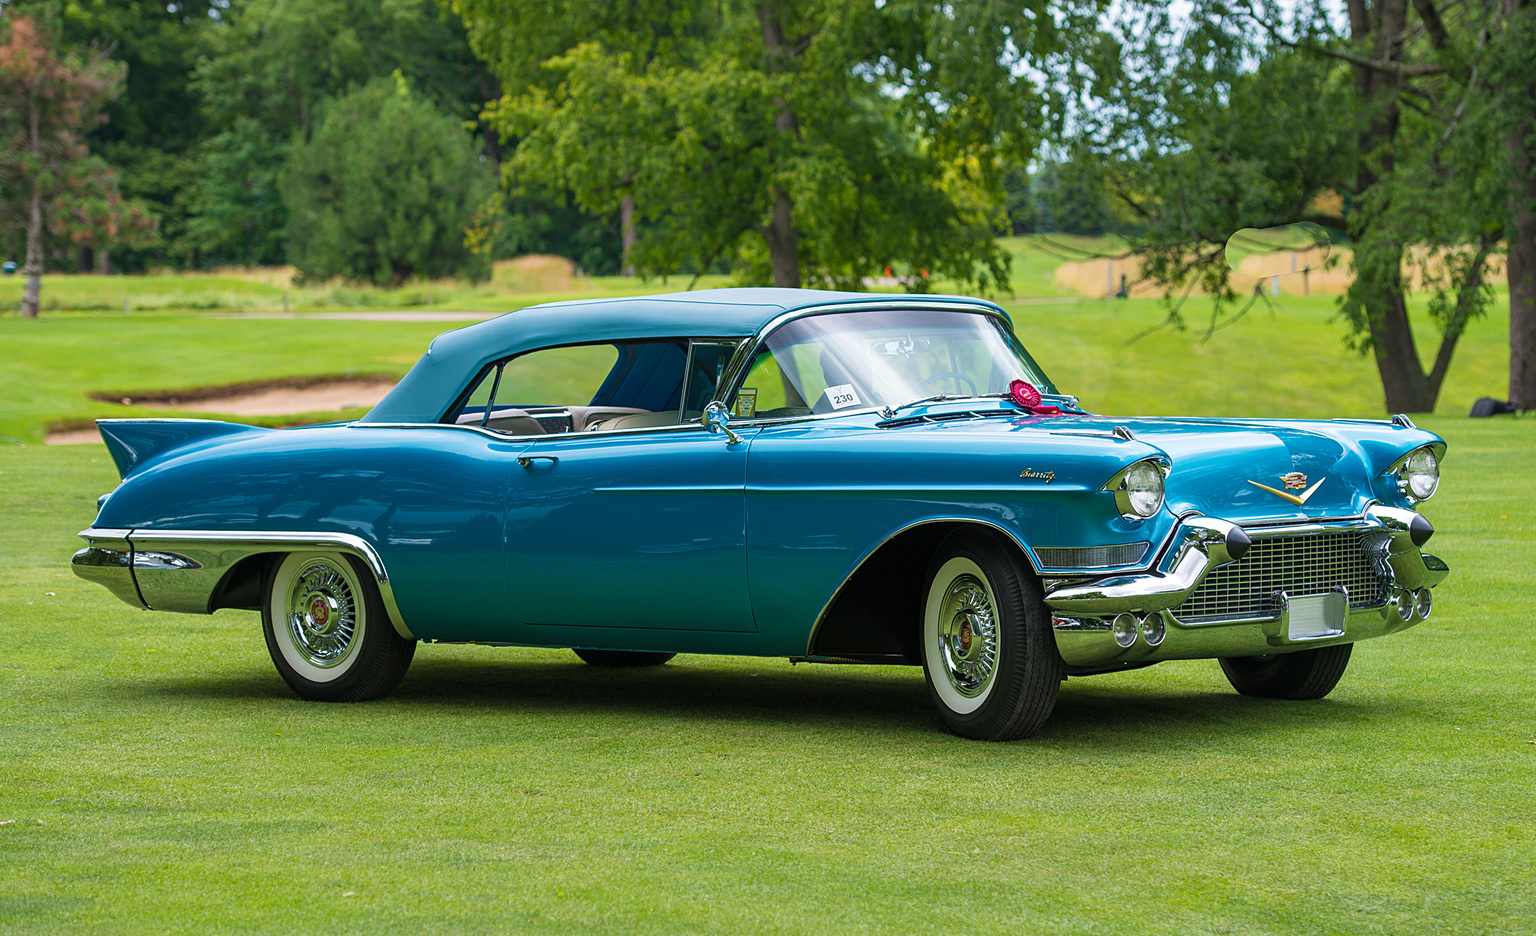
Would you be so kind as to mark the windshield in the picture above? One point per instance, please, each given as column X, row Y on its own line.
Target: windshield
column 852, row 360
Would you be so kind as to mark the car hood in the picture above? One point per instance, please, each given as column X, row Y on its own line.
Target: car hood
column 1218, row 465
column 1218, row 468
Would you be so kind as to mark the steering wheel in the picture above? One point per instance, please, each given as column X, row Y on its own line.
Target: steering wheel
column 955, row 374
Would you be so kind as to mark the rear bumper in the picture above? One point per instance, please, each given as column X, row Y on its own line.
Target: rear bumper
column 1125, row 620
column 181, row 570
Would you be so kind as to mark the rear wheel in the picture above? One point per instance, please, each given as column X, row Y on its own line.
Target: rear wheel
column 327, row 630
column 623, row 657
column 1306, row 674
column 989, row 658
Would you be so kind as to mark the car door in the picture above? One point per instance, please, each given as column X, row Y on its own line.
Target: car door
column 630, row 529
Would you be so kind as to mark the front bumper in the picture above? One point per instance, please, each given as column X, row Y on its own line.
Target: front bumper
column 1113, row 622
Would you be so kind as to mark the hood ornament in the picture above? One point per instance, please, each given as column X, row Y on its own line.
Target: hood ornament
column 1294, row 481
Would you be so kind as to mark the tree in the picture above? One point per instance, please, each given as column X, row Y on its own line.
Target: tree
column 1511, row 73
column 48, row 100
column 815, row 142
column 153, row 131
column 1399, row 112
column 383, row 189
column 271, row 67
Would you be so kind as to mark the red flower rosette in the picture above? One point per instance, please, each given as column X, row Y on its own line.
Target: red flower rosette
column 1024, row 394
column 1028, row 399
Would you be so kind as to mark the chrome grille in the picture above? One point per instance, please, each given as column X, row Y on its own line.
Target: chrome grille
column 1090, row 557
column 1313, row 564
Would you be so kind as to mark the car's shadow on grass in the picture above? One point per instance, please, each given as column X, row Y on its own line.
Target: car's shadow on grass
column 886, row 700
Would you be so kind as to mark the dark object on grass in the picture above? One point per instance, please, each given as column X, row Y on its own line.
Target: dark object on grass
column 1488, row 406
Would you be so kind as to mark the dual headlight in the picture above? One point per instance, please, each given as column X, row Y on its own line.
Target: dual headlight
column 1138, row 488
column 1417, row 473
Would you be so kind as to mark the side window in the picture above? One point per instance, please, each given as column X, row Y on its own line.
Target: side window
column 706, row 365
column 580, row 388
column 779, row 382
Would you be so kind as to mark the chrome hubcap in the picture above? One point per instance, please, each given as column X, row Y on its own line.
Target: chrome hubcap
column 968, row 636
column 322, row 613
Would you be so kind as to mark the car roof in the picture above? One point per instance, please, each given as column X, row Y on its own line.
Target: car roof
column 455, row 357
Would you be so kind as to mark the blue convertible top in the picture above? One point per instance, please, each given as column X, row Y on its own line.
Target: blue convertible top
column 454, row 358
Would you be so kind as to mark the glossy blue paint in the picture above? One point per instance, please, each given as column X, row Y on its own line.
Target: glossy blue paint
column 672, row 539
column 643, row 530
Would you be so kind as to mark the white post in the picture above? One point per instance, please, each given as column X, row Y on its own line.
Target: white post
column 1274, row 285
column 1109, row 279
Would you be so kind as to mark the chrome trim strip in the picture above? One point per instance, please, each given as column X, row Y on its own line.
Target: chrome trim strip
column 504, row 437
column 206, row 570
column 822, row 614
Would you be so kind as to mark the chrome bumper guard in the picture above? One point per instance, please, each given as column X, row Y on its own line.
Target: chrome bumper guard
column 1127, row 620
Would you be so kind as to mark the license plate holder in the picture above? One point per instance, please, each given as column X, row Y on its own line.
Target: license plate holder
column 1316, row 617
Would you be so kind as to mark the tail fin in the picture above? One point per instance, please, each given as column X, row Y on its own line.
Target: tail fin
column 137, row 443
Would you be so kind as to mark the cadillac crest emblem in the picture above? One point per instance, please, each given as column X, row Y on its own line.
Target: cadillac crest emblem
column 1295, row 481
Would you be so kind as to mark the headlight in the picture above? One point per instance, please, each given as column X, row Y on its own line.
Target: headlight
column 1138, row 489
column 1418, row 475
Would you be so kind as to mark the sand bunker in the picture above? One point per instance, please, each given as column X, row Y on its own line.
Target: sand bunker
column 294, row 397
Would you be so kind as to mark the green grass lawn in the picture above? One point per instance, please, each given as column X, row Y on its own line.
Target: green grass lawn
column 158, row 776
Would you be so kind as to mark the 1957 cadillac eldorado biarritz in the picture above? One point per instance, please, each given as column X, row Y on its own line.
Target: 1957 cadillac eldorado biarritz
column 829, row 477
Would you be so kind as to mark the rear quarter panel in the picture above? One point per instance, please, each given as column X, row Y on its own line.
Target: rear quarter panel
column 431, row 501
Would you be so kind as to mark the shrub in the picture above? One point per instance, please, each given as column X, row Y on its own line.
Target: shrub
column 383, row 190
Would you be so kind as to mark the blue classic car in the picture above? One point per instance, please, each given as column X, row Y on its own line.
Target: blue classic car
column 828, row 477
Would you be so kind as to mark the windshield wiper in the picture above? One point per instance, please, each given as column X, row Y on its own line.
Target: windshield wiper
column 889, row 412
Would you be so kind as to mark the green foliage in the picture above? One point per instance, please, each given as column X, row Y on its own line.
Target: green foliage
column 384, row 189
column 816, row 144
column 271, row 67
column 50, row 182
column 152, row 131
column 1250, row 115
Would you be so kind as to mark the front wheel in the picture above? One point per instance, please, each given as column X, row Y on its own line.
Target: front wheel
column 989, row 657
column 1307, row 674
column 327, row 630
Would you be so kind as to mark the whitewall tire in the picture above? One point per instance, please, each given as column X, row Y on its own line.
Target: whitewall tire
column 327, row 631
column 989, row 656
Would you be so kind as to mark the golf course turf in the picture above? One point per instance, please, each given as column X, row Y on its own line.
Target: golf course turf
column 158, row 776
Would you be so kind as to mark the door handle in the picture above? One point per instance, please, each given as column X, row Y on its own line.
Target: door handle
column 527, row 460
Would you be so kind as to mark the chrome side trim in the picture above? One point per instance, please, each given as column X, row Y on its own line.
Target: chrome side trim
column 822, row 614
column 178, row 570
column 504, row 437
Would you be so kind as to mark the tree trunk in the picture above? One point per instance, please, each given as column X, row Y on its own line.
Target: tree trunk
column 783, row 242
column 103, row 261
column 33, row 268
column 1403, row 381
column 782, row 237
column 1521, row 235
column 1407, row 388
column 627, row 233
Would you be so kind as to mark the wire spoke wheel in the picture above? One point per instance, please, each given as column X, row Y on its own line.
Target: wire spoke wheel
column 322, row 613
column 989, row 657
column 327, row 631
column 968, row 636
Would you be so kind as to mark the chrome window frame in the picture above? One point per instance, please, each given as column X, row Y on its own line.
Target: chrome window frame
column 737, row 371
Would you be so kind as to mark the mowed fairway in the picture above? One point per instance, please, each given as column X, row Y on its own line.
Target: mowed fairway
column 157, row 776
